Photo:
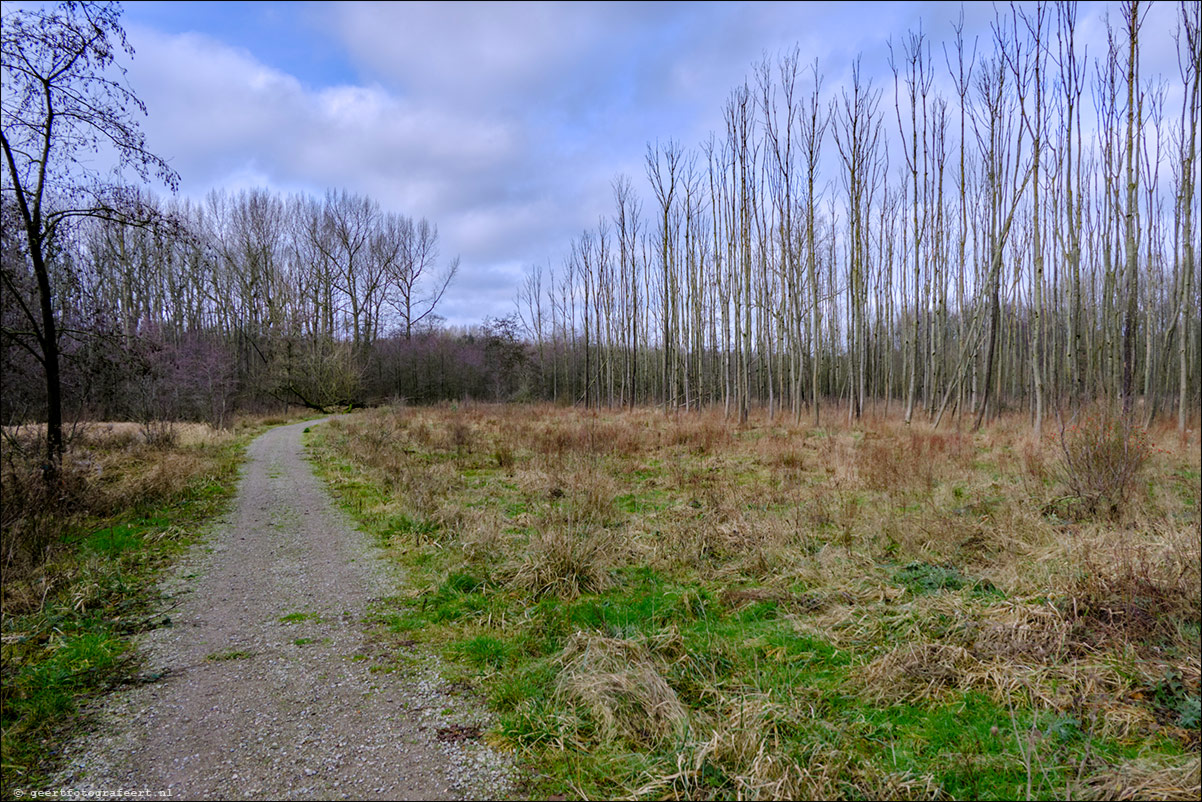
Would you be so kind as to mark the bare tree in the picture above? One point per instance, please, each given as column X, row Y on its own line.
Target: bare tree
column 858, row 135
column 627, row 221
column 1029, row 75
column 1133, row 20
column 1000, row 141
column 1189, row 33
column 61, row 101
column 812, row 122
column 918, row 79
column 409, row 254
column 663, row 170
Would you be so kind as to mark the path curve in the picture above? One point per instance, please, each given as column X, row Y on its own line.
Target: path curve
column 268, row 691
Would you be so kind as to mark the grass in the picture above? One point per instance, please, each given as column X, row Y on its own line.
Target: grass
column 80, row 568
column 228, row 654
column 677, row 607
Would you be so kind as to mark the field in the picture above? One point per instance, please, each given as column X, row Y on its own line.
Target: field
column 662, row 606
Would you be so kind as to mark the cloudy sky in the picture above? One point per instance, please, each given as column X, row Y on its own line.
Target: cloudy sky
column 503, row 123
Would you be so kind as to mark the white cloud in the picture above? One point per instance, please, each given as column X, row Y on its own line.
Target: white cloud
column 493, row 54
column 226, row 120
column 503, row 123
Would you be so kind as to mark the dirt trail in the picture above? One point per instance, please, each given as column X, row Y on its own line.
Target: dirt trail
column 268, row 689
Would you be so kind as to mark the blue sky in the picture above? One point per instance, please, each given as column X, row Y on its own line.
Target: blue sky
column 502, row 123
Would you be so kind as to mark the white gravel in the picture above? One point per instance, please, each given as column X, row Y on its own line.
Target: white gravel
column 243, row 711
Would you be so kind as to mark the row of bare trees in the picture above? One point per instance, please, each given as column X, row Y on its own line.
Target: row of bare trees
column 245, row 296
column 114, row 303
column 1011, row 226
column 271, row 272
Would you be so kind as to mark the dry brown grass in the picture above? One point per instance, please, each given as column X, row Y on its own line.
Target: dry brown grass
column 120, row 434
column 1024, row 631
column 742, row 744
column 617, row 683
column 1131, row 592
column 1158, row 779
column 563, row 561
column 1080, row 618
column 107, row 469
column 916, row 671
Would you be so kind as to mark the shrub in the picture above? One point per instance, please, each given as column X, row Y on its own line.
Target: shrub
column 1102, row 455
column 460, row 435
column 159, row 434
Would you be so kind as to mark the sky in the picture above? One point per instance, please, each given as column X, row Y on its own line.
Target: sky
column 502, row 123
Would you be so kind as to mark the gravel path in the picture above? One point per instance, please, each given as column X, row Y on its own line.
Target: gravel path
column 269, row 690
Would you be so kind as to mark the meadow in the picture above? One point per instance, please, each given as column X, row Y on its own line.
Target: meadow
column 673, row 606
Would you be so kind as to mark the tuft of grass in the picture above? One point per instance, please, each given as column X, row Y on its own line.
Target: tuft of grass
column 563, row 562
column 618, row 688
column 503, row 454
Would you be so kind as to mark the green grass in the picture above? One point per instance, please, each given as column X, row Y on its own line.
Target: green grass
column 768, row 651
column 112, row 541
column 922, row 577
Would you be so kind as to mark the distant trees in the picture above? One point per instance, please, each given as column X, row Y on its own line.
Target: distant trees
column 1022, row 234
column 1007, row 248
column 299, row 291
column 62, row 102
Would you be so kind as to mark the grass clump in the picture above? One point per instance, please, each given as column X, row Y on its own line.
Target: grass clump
column 563, row 562
column 617, row 685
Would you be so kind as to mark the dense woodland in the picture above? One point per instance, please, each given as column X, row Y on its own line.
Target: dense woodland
column 1010, row 224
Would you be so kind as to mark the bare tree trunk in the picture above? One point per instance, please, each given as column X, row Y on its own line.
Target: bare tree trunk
column 1191, row 77
column 1131, row 236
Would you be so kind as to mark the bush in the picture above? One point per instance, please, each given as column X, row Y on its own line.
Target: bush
column 1102, row 455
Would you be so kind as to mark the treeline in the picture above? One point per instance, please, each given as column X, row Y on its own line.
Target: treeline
column 1010, row 225
column 244, row 300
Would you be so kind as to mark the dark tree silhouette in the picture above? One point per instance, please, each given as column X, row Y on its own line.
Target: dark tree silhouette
column 65, row 102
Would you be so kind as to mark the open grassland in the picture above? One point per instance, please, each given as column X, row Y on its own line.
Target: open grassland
column 79, row 559
column 676, row 607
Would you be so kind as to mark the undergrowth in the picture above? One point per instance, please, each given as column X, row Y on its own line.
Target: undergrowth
column 678, row 607
column 1103, row 454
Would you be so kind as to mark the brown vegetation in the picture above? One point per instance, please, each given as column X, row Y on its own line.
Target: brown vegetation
column 109, row 471
column 941, row 564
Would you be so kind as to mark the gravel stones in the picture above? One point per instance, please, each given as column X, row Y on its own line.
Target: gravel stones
column 266, row 692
